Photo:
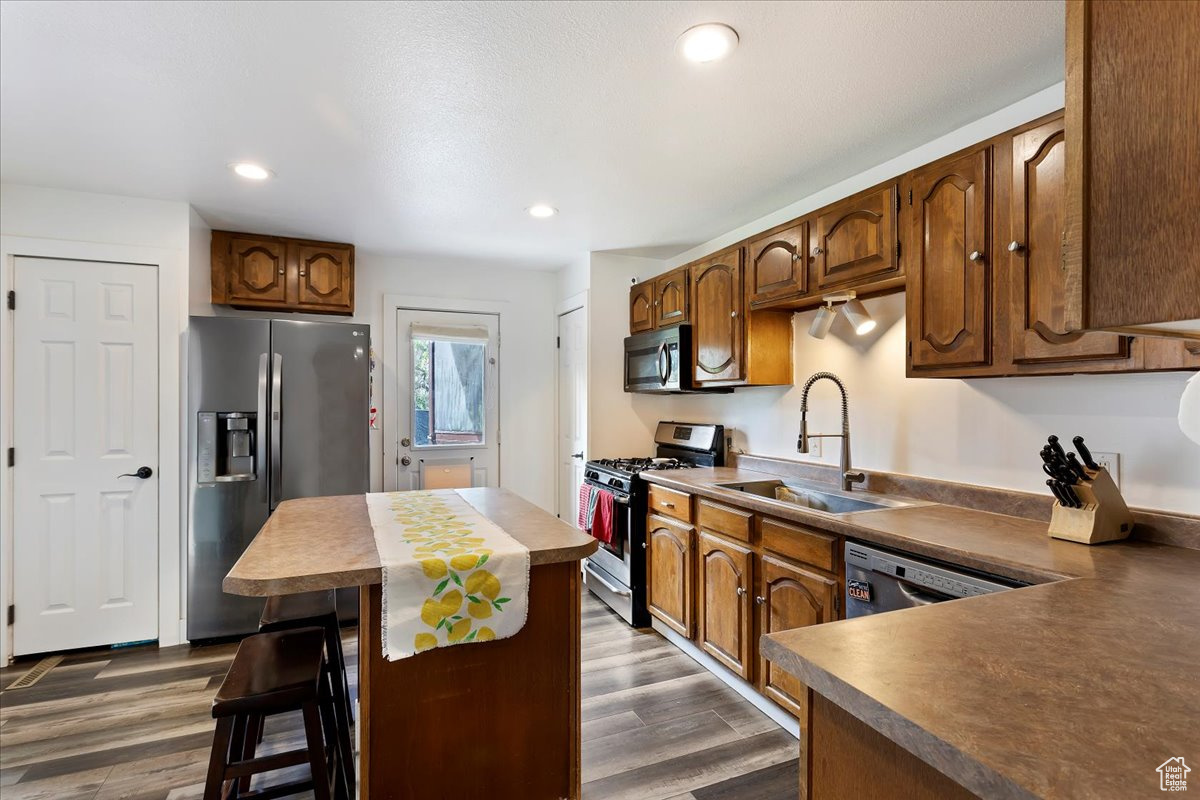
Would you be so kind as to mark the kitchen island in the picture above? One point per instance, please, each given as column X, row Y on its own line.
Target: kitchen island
column 496, row 719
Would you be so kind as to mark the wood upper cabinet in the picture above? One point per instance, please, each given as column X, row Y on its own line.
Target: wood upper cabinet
column 857, row 239
column 1132, row 247
column 777, row 265
column 256, row 273
column 276, row 273
column 950, row 277
column 670, row 566
column 1037, row 314
column 671, row 297
column 717, row 317
column 641, row 307
column 725, row 585
column 326, row 276
column 791, row 597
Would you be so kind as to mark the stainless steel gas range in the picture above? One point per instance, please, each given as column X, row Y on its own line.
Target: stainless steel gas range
column 616, row 572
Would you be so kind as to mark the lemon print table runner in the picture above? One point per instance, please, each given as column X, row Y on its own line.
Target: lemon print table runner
column 450, row 575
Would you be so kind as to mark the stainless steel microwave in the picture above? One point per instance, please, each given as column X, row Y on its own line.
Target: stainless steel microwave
column 660, row 362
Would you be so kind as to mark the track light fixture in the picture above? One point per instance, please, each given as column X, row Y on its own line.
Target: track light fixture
column 856, row 313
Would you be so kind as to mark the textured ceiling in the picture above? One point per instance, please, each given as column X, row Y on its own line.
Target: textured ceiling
column 430, row 127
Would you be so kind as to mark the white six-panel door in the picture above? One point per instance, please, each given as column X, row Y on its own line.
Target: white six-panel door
column 85, row 543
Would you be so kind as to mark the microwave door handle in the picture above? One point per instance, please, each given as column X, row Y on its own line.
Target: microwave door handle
column 260, row 432
column 276, row 429
column 664, row 370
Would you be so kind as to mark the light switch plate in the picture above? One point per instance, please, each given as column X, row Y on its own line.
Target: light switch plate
column 1111, row 462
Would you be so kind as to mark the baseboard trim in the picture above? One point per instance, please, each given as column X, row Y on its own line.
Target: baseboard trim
column 780, row 717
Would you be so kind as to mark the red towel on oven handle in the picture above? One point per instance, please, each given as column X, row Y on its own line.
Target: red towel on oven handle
column 602, row 522
column 585, row 497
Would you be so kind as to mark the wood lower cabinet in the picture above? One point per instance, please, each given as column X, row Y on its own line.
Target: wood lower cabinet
column 275, row 273
column 791, row 597
column 671, row 297
column 641, row 307
column 1037, row 314
column 950, row 277
column 717, row 314
column 725, row 586
column 857, row 239
column 777, row 265
column 670, row 572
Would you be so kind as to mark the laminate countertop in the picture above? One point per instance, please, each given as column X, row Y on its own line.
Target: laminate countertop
column 328, row 543
column 1078, row 686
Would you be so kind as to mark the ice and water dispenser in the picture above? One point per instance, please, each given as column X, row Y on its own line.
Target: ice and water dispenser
column 225, row 447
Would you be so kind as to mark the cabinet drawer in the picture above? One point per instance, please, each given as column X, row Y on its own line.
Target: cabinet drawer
column 801, row 544
column 726, row 520
column 670, row 503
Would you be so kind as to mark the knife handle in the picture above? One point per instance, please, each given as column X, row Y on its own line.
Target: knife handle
column 1076, row 467
column 1075, row 502
column 1058, row 495
column 1056, row 447
column 1084, row 453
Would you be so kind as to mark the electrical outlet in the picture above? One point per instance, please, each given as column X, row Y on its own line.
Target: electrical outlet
column 814, row 447
column 1110, row 462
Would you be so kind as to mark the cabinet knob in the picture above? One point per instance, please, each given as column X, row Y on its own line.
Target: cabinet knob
column 1014, row 246
column 976, row 256
column 645, row 546
column 280, row 272
column 733, row 313
column 796, row 256
column 760, row 599
column 301, row 273
column 816, row 251
column 741, row 592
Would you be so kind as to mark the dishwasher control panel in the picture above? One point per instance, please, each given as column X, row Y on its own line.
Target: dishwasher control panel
column 907, row 579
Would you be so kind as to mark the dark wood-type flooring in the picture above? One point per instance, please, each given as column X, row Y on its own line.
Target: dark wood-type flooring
column 135, row 724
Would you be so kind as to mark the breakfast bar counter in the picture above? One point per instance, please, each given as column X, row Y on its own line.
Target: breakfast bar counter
column 495, row 719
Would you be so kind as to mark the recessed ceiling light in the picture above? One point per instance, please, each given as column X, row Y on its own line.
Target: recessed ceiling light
column 711, row 41
column 542, row 211
column 250, row 171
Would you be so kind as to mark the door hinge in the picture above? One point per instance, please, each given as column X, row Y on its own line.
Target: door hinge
column 12, row 456
column 558, row 342
column 12, row 300
column 897, row 201
column 910, row 348
column 12, row 614
column 910, row 197
column 897, row 250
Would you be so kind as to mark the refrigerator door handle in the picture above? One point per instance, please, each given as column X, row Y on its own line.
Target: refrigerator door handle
column 276, row 428
column 260, row 435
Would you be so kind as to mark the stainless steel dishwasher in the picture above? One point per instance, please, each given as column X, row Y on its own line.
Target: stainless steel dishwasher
column 879, row 580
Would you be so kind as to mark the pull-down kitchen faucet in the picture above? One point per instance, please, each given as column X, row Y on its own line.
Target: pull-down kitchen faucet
column 848, row 478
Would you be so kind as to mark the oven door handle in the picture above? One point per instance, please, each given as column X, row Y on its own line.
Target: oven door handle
column 617, row 590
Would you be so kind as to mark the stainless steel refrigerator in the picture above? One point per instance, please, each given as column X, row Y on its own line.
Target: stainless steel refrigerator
column 277, row 409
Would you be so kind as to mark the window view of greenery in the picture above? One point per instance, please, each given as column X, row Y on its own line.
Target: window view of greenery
column 448, row 406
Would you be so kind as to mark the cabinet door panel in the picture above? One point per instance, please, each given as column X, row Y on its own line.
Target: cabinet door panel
column 257, row 272
column 641, row 307
column 669, row 569
column 1038, row 213
column 950, row 292
column 725, row 622
column 777, row 266
column 671, row 297
column 791, row 597
column 325, row 277
column 856, row 239
column 717, row 318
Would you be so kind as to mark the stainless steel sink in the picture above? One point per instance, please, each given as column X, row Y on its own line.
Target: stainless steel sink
column 826, row 501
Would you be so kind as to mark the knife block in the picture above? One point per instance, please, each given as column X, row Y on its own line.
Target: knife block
column 1103, row 518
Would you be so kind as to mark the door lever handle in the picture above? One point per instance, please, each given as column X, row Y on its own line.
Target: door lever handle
column 142, row 472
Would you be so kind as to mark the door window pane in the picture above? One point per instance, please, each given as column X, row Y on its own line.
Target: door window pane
column 448, row 392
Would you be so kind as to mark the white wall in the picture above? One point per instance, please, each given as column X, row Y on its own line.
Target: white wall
column 527, row 366
column 983, row 431
column 63, row 224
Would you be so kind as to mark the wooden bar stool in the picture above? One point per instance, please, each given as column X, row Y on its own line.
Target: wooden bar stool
column 275, row 673
column 319, row 609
